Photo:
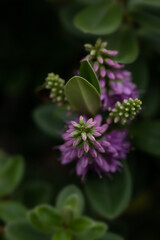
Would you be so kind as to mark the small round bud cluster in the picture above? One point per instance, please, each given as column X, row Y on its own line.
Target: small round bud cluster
column 125, row 111
column 56, row 85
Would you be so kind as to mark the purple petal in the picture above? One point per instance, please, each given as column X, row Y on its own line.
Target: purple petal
column 110, row 75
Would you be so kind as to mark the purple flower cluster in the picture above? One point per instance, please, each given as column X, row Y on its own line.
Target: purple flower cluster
column 116, row 83
column 91, row 146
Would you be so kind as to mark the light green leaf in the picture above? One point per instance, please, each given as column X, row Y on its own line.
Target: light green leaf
column 110, row 197
column 45, row 218
column 126, row 43
column 50, row 119
column 82, row 96
column 81, row 225
column 61, row 236
column 111, row 236
column 10, row 210
column 10, row 174
column 100, row 18
column 67, row 194
column 87, row 72
column 146, row 136
column 22, row 230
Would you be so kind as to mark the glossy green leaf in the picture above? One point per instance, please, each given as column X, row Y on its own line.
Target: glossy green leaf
column 45, row 218
column 61, row 236
column 110, row 197
column 10, row 210
column 147, row 18
column 82, row 96
column 146, row 136
column 87, row 72
column 100, row 18
column 111, row 236
column 140, row 73
column 10, row 174
column 126, row 43
column 67, row 194
column 22, row 230
column 50, row 119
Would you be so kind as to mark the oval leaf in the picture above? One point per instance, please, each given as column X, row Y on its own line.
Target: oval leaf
column 10, row 210
column 11, row 174
column 66, row 195
column 82, row 96
column 62, row 236
column 87, row 72
column 147, row 136
column 110, row 197
column 126, row 43
column 21, row 229
column 101, row 18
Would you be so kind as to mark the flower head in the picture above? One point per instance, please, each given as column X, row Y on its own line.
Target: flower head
column 88, row 144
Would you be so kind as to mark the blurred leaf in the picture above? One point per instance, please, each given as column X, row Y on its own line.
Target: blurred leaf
column 87, row 2
column 147, row 18
column 50, row 119
column 10, row 210
column 38, row 191
column 101, row 18
column 61, row 236
column 126, row 43
column 111, row 236
column 109, row 198
column 45, row 218
column 146, row 136
column 151, row 39
column 22, row 230
column 154, row 3
column 81, row 225
column 66, row 194
column 72, row 205
column 140, row 73
column 82, row 96
column 11, row 173
column 87, row 72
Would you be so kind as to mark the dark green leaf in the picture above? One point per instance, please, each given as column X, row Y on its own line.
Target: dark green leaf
column 82, row 96
column 67, row 194
column 100, row 18
column 87, row 72
column 10, row 210
column 154, row 3
column 126, row 43
column 11, row 173
column 111, row 236
column 22, row 230
column 81, row 225
column 110, row 197
column 62, row 236
column 50, row 119
column 45, row 218
column 146, row 136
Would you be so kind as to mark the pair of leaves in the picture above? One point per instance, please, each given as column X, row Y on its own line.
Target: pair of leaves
column 83, row 93
column 146, row 136
column 11, row 172
column 109, row 197
column 100, row 18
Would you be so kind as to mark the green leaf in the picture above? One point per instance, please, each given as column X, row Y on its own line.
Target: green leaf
column 88, row 229
column 146, row 136
column 62, row 236
column 67, row 194
column 11, row 173
column 147, row 18
column 87, row 72
column 111, row 236
column 82, row 96
column 100, row 18
column 110, row 197
column 126, row 43
column 45, row 218
column 10, row 210
column 140, row 73
column 50, row 119
column 22, row 230
column 154, row 3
